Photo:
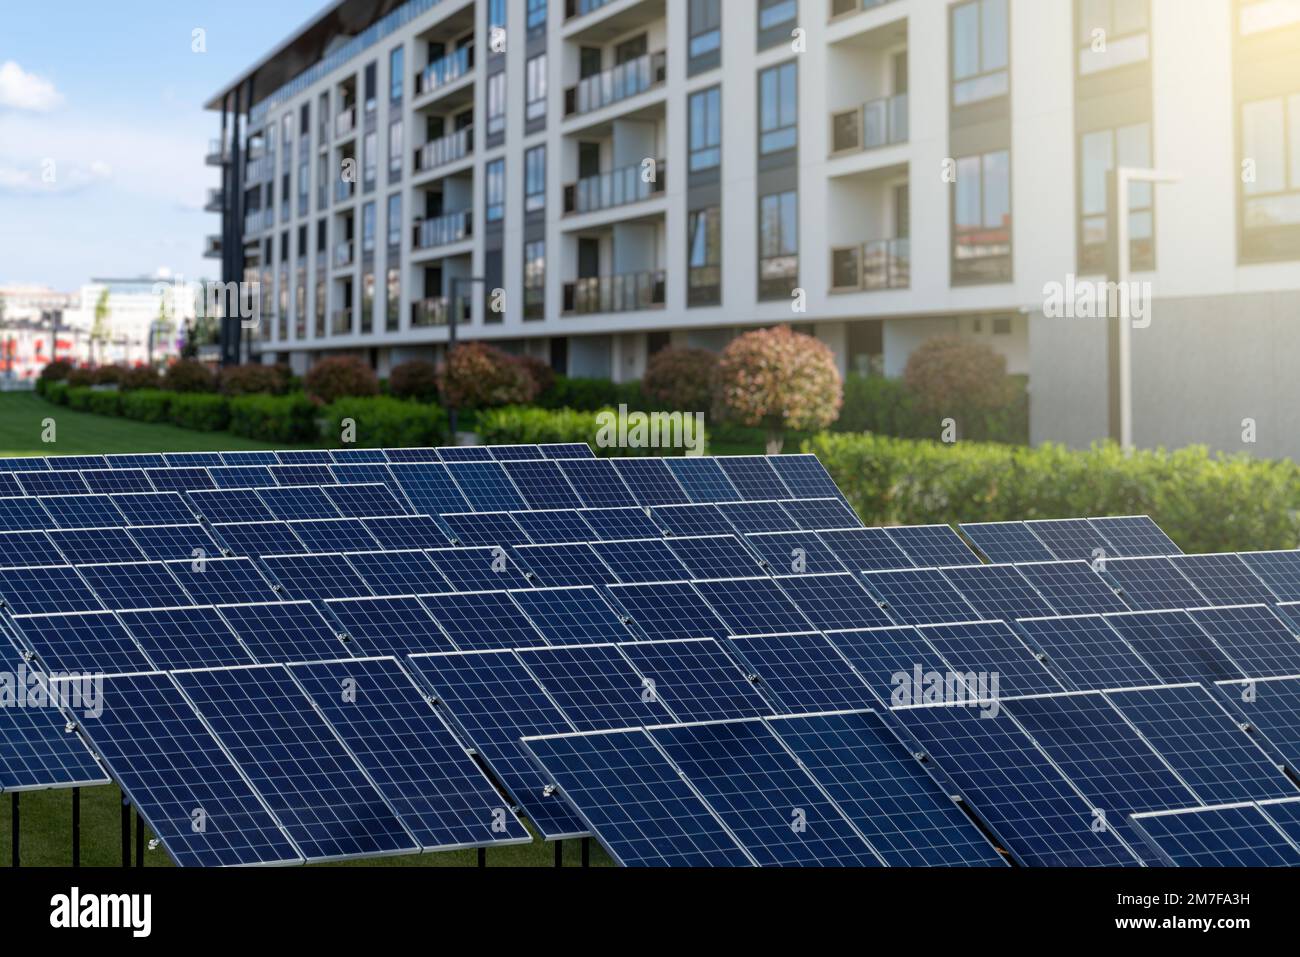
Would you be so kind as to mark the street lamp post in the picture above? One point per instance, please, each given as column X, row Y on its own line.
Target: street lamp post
column 453, row 317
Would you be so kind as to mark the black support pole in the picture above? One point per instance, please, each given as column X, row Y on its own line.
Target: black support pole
column 126, row 832
column 586, row 852
column 482, row 857
column 559, row 853
column 139, row 839
column 76, row 827
column 13, row 823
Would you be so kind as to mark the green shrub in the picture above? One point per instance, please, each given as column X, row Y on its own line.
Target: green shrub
column 274, row 418
column 147, row 405
column 414, row 379
column 110, row 375
column 81, row 377
column 523, row 425
column 1205, row 502
column 889, row 407
column 539, row 371
column 105, row 402
column 340, row 377
column 141, row 377
column 590, row 395
column 55, row 391
column 252, row 378
column 189, row 375
column 200, row 411
column 477, row 375
column 679, row 378
column 79, row 397
column 56, row 370
column 385, row 422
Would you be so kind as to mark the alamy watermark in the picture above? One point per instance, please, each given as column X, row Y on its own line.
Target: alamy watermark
column 218, row 300
column 72, row 691
column 622, row 429
column 972, row 689
column 1098, row 299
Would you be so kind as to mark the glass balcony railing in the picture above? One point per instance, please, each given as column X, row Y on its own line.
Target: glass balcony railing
column 580, row 8
column 436, row 311
column 616, row 188
column 344, row 190
column 444, row 230
column 345, row 122
column 617, row 83
column 881, row 122
column 444, row 150
column 343, row 253
column 844, row 8
column 447, row 69
column 627, row 292
column 879, row 264
column 259, row 220
column 341, row 322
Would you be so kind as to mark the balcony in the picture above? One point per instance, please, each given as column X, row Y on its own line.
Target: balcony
column 444, row 150
column 216, row 199
column 341, row 322
column 344, row 190
column 877, row 123
column 443, row 230
column 344, row 253
column 218, row 152
column 616, row 188
column 212, row 246
column 879, row 264
column 437, row 311
column 258, row 220
column 628, row 292
column 345, row 122
column 617, row 83
column 580, row 8
column 445, row 71
column 846, row 8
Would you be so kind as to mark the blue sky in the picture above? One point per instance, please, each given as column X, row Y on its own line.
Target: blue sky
column 113, row 94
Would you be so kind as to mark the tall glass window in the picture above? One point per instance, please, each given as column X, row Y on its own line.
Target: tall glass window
column 979, row 51
column 396, row 66
column 1100, row 152
column 704, row 257
column 536, row 87
column 778, row 238
column 982, row 219
column 706, row 129
column 496, row 191
column 778, row 108
column 535, row 179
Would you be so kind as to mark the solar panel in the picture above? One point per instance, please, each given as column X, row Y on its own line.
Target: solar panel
column 788, row 553
column 1222, row 579
column 753, row 606
column 113, row 480
column 1006, row 542
column 554, row 527
column 478, row 569
column 167, row 542
column 932, row 545
column 514, row 453
column 567, row 616
column 86, row 643
column 180, row 479
column 398, row 572
column 669, row 610
column 82, row 511
column 762, row 793
column 881, row 789
column 76, row 462
column 180, row 780
column 1253, row 637
column 814, row 515
column 253, row 457
column 919, row 596
column 567, row 450
column 833, row 601
column 359, row 456
column 803, row 672
column 897, row 663
column 635, row 801
column 458, row 453
column 991, row 648
column 1134, row 535
column 1072, row 588
column 1174, row 647
column 427, row 486
column 596, row 686
column 1035, row 812
column 370, row 473
column 23, row 515
column 1193, row 733
column 703, row 479
column 52, row 483
column 647, row 560
column 153, row 508
column 25, row 463
column 259, row 538
column 650, row 481
column 146, row 460
column 28, row 548
column 1234, row 835
column 997, row 592
column 372, row 500
column 865, row 549
column 43, row 589
column 135, row 585
column 542, row 484
column 1280, row 571
column 495, row 701
column 298, row 502
column 241, row 476
column 197, row 460
column 231, row 505
column 486, row 486
column 85, row 546
column 178, row 638
column 696, row 679
column 484, row 620
column 485, row 528
column 686, row 520
column 1285, row 813
column 1072, row 539
column 410, row 755
column 296, row 475
column 1088, row 652
column 746, row 517
column 303, row 457
column 390, row 626
column 316, row 577
column 1272, row 707
column 36, row 751
column 334, row 534
column 753, row 477
column 285, row 631
column 596, row 483
column 9, row 487
column 564, row 565
column 327, row 805
column 406, row 531
column 805, row 476
column 715, row 556
column 613, row 524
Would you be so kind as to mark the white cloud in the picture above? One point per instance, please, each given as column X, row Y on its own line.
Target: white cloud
column 20, row 90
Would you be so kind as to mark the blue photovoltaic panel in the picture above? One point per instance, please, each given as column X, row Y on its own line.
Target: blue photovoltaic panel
column 298, row 503
column 865, row 549
column 146, row 460
column 696, row 679
column 1280, row 571
column 135, row 585
column 596, row 687
column 1222, row 579
column 833, row 601
column 303, row 457
column 370, row 473
column 673, row 610
column 514, row 453
column 567, row 450
column 554, row 527
column 703, row 479
column 178, row 638
column 180, row 479
column 254, row 457
column 894, row 662
column 817, row 514
column 1285, row 813
column 1234, row 835
column 9, row 487
column 358, row 456
column 715, row 556
column 803, row 672
column 88, row 643
column 650, row 481
column 390, row 626
column 596, row 483
column 27, row 548
column 932, row 545
column 85, row 546
column 635, row 802
column 52, row 483
column 288, row 631
column 486, row 486
column 410, row 755
column 316, row 577
column 37, row 752
column 295, row 475
column 242, row 476
column 163, row 543
column 50, row 588
column 614, row 524
column 23, row 515
column 223, row 581
column 427, row 486
column 259, row 538
column 748, row 517
column 114, row 480
column 169, row 765
column 1253, row 637
column 485, row 620
column 804, row 476
column 572, row 616
column 398, row 573
column 1088, row 652
column 1029, row 806
column 406, row 531
column 564, row 565
column 83, row 511
column 153, row 508
column 919, row 596
column 492, row 697
column 753, row 783
column 29, row 463
column 1273, row 707
column 881, row 788
column 1072, row 588
column 335, row 534
column 647, row 560
column 485, row 528
column 789, row 553
column 478, row 569
column 1172, row 644
column 456, row 453
column 998, row 592
column 327, row 805
column 543, row 485
column 753, row 477
column 1202, row 742
column 365, row 501
column 991, row 648
column 1072, row 539
column 753, row 606
column 681, row 521
column 77, row 462
column 1135, row 536
column 192, row 459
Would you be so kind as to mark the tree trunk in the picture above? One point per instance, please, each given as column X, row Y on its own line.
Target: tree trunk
column 775, row 440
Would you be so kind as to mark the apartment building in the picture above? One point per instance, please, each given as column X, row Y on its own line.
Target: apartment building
column 589, row 181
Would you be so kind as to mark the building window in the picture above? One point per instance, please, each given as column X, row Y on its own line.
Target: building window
column 322, row 181
column 1270, row 143
column 535, row 279
column 1112, row 33
column 367, row 303
column 775, row 17
column 979, row 51
column 778, row 239
column 705, row 27
column 396, row 67
column 371, row 81
column 778, row 107
column 368, row 228
column 496, row 191
column 982, row 219
column 496, row 15
column 536, row 86
column 370, row 159
column 535, row 179
column 394, row 151
column 1258, row 16
column 1100, row 152
column 704, row 257
column 536, row 14
column 395, row 220
column 706, row 129
column 304, row 183
column 496, row 103
column 393, row 300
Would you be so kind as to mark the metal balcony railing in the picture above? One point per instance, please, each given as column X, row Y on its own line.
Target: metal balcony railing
column 436, row 311
column 444, row 150
column 216, row 199
column 617, row 83
column 879, row 264
column 341, row 322
column 443, row 230
column 343, row 253
column 580, row 8
column 880, row 122
column 212, row 246
column 626, row 292
column 218, row 152
column 346, row 121
column 616, row 188
column 445, row 70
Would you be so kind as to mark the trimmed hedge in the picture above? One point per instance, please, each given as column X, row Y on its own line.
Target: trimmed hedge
column 79, row 397
column 1207, row 503
column 274, row 418
column 888, row 407
column 200, row 411
column 53, row 390
column 525, row 425
column 591, row 395
column 147, row 405
column 385, row 422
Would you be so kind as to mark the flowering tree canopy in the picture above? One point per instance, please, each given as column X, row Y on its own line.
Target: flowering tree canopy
column 479, row 376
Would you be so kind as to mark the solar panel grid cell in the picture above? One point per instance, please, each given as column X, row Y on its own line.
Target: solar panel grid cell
column 254, row 539
column 597, row 484
column 896, row 663
column 553, row 527
column 596, row 687
column 45, row 589
column 865, row 549
column 686, row 520
column 696, row 679
column 1087, row 652
column 746, row 517
column 167, row 542
column 932, row 545
column 135, row 585
column 753, row 477
column 703, row 479
column 180, row 638
column 406, row 531
column 1253, row 636
column 714, row 556
column 567, row 450
column 485, row 528
column 1172, row 644
column 803, row 671
column 1238, row 835
column 84, row 643
column 833, row 601
column 297, row 475
column 991, row 649
column 478, row 569
column 1280, row 571
column 398, row 572
column 173, row 479
column 650, row 481
column 542, row 484
column 87, row 546
column 1072, row 539
column 154, row 508
column 814, row 515
column 1222, row 579
column 1007, row 542
column 316, row 577
column 572, row 615
column 753, row 606
column 52, row 483
column 486, row 486
column 612, row 524
column 334, row 534
column 564, row 565
column 1134, row 535
column 427, row 486
column 83, row 511
column 919, row 596
column 477, row 621
column 645, row 560
column 397, row 626
column 998, row 592
column 37, row 752
column 287, row 631
column 23, row 515
column 805, row 476
column 27, row 549
column 1072, row 587
column 668, row 610
column 794, row 553
column 298, row 502
column 241, row 476
column 372, row 500
column 113, row 480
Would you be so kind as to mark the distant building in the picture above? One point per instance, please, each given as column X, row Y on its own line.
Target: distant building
column 138, row 308
column 28, row 320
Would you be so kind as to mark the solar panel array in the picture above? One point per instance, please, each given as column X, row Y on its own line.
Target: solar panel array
column 698, row 661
